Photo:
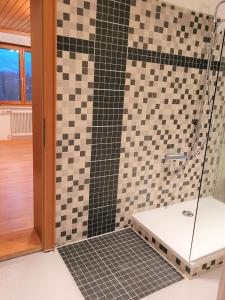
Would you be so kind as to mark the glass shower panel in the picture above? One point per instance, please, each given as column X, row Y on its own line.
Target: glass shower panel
column 209, row 228
column 219, row 190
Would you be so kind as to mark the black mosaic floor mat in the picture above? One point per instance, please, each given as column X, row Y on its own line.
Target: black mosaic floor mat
column 120, row 265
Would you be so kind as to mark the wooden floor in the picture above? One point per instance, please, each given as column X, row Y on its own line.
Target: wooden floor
column 16, row 185
column 17, row 235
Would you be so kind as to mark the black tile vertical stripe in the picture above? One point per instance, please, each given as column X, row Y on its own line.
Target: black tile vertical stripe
column 111, row 42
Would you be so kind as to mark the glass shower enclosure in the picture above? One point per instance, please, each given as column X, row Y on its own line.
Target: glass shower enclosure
column 209, row 225
column 190, row 232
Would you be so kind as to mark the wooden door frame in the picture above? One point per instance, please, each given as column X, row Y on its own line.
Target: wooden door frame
column 43, row 44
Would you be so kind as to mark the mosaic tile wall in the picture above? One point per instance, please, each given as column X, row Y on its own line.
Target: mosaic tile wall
column 219, row 189
column 129, row 83
column 158, row 120
column 75, row 75
column 214, row 146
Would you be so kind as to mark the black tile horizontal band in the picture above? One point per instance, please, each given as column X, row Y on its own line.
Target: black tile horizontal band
column 65, row 43
column 169, row 59
column 87, row 47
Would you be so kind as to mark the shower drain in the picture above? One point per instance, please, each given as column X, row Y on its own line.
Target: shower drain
column 187, row 213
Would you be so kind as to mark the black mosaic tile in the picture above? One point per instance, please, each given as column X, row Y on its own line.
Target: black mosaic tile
column 104, row 169
column 120, row 265
column 111, row 39
column 104, row 288
column 139, row 280
column 102, row 219
column 114, row 11
column 74, row 45
column 103, row 191
column 83, row 263
column 169, row 59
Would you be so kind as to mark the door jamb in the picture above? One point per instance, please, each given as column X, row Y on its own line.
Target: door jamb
column 43, row 43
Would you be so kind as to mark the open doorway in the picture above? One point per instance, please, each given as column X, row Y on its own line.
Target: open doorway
column 16, row 134
column 26, row 145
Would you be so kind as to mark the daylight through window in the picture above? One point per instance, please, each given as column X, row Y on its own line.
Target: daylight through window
column 15, row 75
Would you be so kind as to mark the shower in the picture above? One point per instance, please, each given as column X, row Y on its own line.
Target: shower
column 218, row 29
column 196, row 217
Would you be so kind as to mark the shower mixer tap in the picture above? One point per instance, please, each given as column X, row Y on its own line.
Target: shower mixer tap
column 176, row 157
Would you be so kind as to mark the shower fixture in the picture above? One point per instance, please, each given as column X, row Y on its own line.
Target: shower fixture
column 218, row 28
column 177, row 157
column 216, row 11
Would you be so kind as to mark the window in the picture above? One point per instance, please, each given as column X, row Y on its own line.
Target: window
column 28, row 86
column 15, row 75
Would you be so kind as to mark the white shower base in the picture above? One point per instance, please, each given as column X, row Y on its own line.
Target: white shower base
column 174, row 230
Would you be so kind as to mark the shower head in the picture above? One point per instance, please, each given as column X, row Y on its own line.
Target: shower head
column 220, row 28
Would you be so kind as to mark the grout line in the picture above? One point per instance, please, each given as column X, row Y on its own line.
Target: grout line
column 131, row 236
column 160, row 254
column 134, row 265
column 90, row 238
column 108, row 268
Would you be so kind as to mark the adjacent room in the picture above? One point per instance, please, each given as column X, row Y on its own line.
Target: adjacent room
column 16, row 150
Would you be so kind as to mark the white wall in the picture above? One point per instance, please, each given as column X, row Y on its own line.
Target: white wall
column 15, row 39
column 4, row 125
column 205, row 6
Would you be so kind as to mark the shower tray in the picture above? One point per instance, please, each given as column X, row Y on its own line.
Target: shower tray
column 169, row 230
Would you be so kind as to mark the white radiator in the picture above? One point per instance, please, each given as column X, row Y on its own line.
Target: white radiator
column 21, row 123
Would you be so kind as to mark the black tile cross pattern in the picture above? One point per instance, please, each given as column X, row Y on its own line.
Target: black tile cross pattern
column 119, row 265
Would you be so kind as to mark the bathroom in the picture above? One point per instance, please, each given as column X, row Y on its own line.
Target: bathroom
column 138, row 200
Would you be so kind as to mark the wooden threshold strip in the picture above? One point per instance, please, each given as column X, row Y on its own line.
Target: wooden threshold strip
column 19, row 243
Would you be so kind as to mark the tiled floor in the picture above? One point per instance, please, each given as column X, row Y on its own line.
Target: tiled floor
column 44, row 276
column 120, row 265
column 202, row 288
column 39, row 276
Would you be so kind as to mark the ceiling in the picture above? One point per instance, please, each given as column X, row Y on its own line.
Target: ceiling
column 15, row 16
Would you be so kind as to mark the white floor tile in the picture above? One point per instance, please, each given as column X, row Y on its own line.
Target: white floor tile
column 44, row 276
column 39, row 276
column 202, row 288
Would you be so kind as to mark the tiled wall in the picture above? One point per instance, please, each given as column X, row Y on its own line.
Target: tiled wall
column 219, row 191
column 130, row 81
column 213, row 157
